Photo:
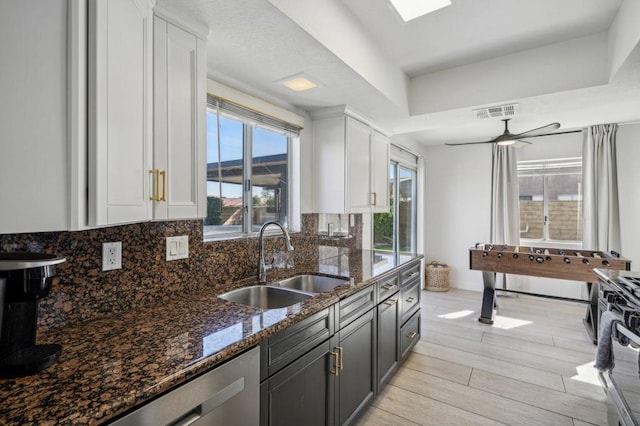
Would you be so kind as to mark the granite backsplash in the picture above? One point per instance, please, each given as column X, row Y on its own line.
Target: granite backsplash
column 85, row 292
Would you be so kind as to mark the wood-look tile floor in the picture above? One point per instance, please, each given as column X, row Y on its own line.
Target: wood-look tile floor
column 534, row 366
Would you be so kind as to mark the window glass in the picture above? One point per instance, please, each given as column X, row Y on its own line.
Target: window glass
column 565, row 207
column 406, row 210
column 269, row 177
column 247, row 175
column 225, row 171
column 531, row 207
column 396, row 231
column 551, row 199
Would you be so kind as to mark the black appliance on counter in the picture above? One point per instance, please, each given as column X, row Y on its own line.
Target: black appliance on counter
column 620, row 293
column 24, row 279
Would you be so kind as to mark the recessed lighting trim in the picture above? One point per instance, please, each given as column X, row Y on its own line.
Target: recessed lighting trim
column 298, row 82
column 411, row 9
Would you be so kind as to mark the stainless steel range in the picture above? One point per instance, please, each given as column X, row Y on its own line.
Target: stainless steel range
column 619, row 294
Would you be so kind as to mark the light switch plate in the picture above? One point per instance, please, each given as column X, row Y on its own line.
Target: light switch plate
column 111, row 256
column 177, row 247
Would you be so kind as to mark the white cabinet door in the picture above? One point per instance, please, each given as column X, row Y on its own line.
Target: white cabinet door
column 120, row 91
column 380, row 172
column 33, row 116
column 179, row 122
column 351, row 162
column 358, row 166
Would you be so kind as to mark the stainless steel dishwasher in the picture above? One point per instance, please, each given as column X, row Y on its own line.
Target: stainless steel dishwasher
column 226, row 395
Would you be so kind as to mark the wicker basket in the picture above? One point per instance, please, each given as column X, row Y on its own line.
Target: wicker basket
column 437, row 276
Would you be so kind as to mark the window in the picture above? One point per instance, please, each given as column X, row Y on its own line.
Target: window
column 396, row 231
column 551, row 199
column 248, row 170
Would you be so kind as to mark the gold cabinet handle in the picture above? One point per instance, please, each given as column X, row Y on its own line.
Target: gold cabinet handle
column 411, row 299
column 340, row 363
column 412, row 335
column 388, row 286
column 336, row 362
column 163, row 173
column 390, row 302
column 155, row 185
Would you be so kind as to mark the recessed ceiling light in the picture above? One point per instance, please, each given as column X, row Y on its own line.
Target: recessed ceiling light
column 411, row 9
column 298, row 82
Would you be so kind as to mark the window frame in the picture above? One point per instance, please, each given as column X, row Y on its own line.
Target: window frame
column 547, row 168
column 251, row 119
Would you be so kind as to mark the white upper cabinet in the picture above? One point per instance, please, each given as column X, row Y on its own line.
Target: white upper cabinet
column 147, row 115
column 380, row 172
column 351, row 162
column 119, row 111
column 179, row 159
column 33, row 116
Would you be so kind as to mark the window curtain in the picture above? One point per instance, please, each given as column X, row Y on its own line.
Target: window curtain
column 505, row 205
column 601, row 218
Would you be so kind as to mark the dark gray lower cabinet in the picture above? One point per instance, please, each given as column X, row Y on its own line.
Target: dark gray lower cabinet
column 388, row 332
column 326, row 369
column 302, row 393
column 356, row 379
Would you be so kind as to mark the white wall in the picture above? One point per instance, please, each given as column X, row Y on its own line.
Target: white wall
column 458, row 192
column 33, row 116
column 559, row 67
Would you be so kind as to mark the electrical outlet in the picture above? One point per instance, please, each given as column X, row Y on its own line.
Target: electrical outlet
column 111, row 256
column 177, row 247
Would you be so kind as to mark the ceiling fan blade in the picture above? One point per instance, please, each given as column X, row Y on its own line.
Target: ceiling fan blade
column 539, row 131
column 520, row 143
column 555, row 133
column 466, row 143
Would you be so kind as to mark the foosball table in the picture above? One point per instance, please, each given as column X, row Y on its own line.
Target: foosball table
column 575, row 265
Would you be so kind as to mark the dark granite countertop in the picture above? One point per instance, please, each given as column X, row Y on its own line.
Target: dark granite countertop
column 112, row 364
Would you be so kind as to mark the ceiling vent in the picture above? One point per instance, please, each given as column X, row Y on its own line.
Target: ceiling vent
column 499, row 111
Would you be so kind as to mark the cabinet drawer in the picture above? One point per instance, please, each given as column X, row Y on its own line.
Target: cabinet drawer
column 409, row 275
column 387, row 287
column 291, row 343
column 409, row 335
column 410, row 300
column 354, row 306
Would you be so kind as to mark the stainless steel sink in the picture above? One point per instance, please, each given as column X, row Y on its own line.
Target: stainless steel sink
column 311, row 283
column 265, row 297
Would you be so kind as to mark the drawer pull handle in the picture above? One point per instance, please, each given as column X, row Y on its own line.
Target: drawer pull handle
column 411, row 299
column 388, row 286
column 412, row 335
column 336, row 362
column 340, row 363
column 412, row 275
column 390, row 302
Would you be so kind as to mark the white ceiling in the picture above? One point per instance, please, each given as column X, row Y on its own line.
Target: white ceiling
column 365, row 56
column 473, row 30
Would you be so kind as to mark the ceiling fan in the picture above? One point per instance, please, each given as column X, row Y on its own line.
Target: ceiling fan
column 508, row 138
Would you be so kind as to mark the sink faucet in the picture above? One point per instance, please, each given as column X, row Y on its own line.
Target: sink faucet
column 262, row 270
